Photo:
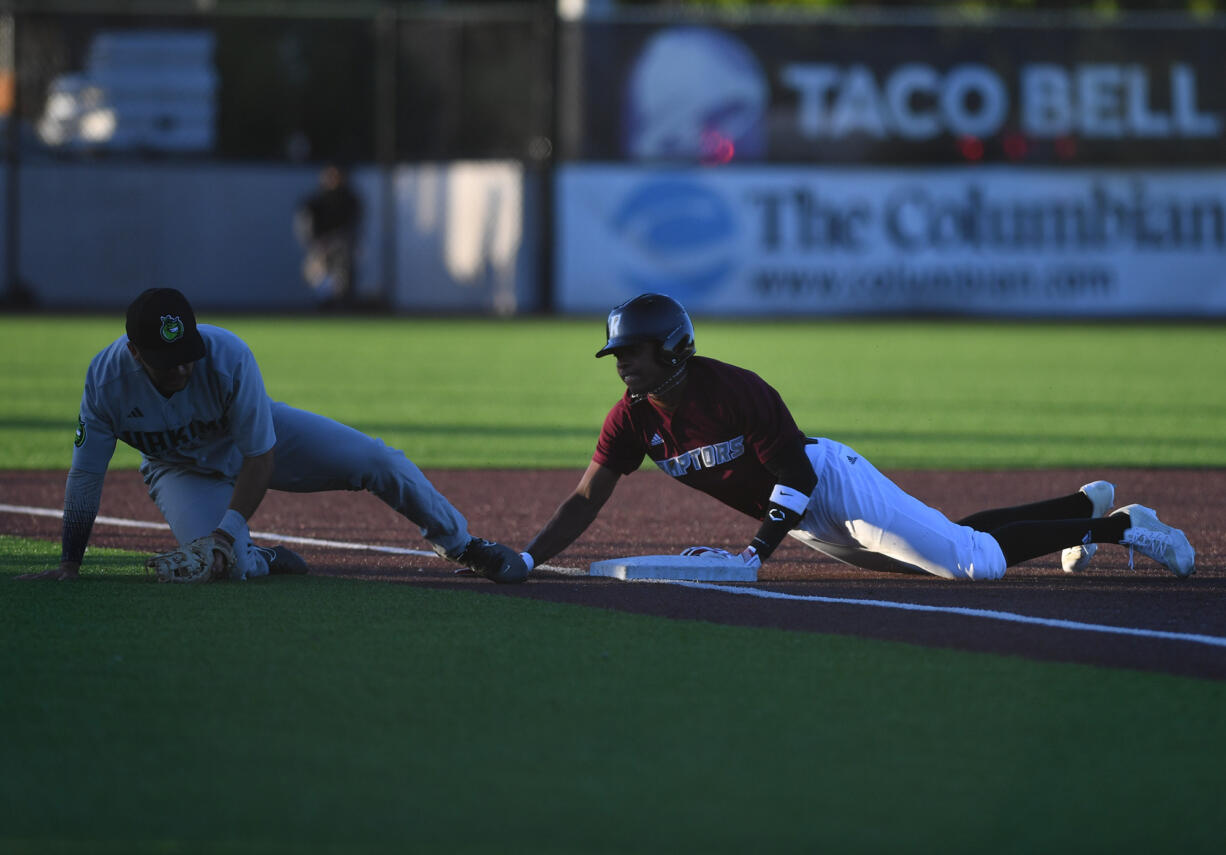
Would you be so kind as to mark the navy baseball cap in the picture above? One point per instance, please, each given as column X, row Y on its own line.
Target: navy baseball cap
column 162, row 325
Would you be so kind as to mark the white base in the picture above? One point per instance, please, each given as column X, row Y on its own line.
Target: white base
column 680, row 567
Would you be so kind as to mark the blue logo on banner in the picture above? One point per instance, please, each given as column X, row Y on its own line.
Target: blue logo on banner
column 679, row 237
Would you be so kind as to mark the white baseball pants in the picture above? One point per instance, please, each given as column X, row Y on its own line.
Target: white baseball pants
column 861, row 517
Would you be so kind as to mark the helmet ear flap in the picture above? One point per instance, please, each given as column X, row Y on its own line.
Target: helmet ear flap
column 678, row 347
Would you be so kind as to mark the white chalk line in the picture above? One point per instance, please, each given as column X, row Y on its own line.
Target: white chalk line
column 1010, row 617
column 284, row 538
column 990, row 614
column 269, row 535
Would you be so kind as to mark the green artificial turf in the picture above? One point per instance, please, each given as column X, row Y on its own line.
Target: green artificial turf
column 314, row 714
column 528, row 393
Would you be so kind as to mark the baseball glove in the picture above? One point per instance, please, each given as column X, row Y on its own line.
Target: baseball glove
column 194, row 562
column 493, row 561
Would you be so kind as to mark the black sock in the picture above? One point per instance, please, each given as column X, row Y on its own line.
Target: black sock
column 1073, row 506
column 1026, row 539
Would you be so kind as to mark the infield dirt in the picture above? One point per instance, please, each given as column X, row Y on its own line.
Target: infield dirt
column 648, row 514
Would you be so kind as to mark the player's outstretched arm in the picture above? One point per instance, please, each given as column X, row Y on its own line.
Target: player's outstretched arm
column 82, row 497
column 575, row 514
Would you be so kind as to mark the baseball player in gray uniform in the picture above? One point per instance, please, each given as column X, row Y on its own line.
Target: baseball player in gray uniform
column 191, row 400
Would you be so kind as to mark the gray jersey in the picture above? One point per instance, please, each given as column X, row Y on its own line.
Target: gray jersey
column 208, row 427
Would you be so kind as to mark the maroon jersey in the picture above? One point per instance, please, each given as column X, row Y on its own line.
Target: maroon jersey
column 729, row 421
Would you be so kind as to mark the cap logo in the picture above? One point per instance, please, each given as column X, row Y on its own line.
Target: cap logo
column 615, row 325
column 172, row 328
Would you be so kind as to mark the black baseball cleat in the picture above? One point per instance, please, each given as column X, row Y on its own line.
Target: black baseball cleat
column 493, row 561
column 283, row 561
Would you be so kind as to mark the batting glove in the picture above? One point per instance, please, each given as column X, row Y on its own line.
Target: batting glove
column 748, row 556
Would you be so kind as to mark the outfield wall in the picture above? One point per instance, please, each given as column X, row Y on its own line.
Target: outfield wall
column 774, row 163
column 898, row 164
column 436, row 238
column 756, row 240
column 811, row 241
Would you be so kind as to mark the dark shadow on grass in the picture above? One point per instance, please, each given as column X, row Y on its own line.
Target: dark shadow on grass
column 943, row 437
column 99, row 565
column 1215, row 445
column 849, row 437
column 377, row 428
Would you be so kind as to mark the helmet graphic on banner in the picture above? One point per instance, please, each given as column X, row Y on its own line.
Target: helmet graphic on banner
column 695, row 93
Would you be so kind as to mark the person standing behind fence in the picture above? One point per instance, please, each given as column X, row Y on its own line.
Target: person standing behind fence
column 326, row 224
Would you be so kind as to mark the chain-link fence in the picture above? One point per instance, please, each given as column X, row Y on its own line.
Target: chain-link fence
column 402, row 83
column 87, row 89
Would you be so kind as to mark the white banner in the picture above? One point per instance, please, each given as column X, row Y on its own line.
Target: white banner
column 822, row 241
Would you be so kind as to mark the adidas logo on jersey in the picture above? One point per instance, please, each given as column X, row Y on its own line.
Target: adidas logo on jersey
column 656, row 439
column 136, row 413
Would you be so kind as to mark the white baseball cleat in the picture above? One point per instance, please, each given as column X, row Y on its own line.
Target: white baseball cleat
column 1102, row 494
column 1155, row 539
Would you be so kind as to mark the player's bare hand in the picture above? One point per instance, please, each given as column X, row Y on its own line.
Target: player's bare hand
column 65, row 572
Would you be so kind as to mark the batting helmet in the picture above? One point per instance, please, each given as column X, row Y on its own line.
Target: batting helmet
column 651, row 317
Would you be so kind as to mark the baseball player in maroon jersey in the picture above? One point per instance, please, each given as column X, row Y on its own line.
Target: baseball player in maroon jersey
column 723, row 430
